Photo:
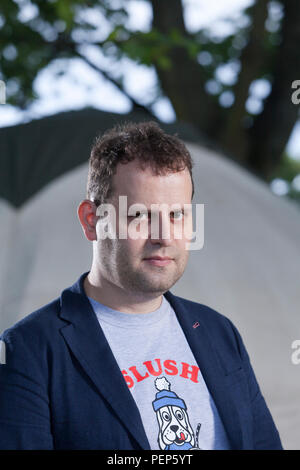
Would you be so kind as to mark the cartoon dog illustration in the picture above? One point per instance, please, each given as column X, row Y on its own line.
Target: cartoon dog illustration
column 175, row 431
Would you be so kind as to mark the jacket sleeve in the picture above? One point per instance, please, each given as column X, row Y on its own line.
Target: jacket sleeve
column 265, row 433
column 24, row 405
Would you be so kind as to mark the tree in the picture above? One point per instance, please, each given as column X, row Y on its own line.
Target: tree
column 266, row 47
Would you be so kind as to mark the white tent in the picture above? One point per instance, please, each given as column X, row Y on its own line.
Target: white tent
column 248, row 269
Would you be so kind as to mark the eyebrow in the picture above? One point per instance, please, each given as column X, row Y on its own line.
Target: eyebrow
column 177, row 209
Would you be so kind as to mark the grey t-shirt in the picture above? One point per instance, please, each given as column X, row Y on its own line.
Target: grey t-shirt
column 176, row 408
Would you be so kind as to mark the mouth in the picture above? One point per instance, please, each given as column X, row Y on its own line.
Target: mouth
column 158, row 260
column 181, row 439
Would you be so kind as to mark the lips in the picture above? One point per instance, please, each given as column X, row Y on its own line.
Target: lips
column 158, row 261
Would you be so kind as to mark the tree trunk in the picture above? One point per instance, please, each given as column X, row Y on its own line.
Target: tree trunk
column 184, row 82
column 272, row 128
column 234, row 134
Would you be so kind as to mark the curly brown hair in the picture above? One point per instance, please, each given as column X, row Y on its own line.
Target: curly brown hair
column 144, row 141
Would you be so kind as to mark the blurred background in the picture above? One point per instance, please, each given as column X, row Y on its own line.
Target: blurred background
column 224, row 76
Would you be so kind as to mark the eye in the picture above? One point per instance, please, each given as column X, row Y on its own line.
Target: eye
column 139, row 215
column 166, row 416
column 177, row 215
column 178, row 414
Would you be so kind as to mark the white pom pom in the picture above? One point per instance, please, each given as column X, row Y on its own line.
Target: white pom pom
column 162, row 384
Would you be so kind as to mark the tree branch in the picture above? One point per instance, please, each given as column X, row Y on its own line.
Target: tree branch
column 107, row 76
column 65, row 43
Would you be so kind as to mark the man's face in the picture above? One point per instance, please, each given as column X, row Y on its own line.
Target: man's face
column 122, row 261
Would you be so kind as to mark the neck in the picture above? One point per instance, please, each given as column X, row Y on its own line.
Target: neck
column 113, row 296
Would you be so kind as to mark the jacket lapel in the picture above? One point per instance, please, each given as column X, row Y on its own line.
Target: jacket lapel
column 212, row 371
column 88, row 343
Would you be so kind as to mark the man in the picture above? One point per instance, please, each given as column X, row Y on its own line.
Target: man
column 118, row 361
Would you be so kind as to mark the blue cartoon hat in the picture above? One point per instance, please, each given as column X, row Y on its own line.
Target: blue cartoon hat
column 165, row 397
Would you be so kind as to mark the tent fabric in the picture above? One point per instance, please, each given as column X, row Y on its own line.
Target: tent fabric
column 248, row 268
column 35, row 153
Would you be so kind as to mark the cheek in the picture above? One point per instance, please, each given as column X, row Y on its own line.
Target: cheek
column 181, row 248
column 188, row 228
column 130, row 249
column 182, row 231
column 106, row 250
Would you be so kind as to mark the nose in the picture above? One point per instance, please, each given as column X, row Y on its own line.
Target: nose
column 174, row 427
column 161, row 232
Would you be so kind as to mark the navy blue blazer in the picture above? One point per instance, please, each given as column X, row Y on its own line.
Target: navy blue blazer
column 61, row 387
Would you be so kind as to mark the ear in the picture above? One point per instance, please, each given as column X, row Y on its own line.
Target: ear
column 86, row 212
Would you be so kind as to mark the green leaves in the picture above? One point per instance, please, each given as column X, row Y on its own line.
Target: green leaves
column 45, row 30
column 153, row 47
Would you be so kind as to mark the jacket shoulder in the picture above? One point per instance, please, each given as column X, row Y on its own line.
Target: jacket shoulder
column 37, row 323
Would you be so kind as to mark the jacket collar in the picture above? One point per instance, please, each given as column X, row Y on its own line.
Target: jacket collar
column 88, row 343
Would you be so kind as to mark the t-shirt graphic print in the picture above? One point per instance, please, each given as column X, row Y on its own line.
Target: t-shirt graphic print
column 174, row 429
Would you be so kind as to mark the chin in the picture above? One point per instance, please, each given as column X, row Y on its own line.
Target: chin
column 159, row 287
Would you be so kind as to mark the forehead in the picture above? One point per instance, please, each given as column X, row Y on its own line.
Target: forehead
column 142, row 185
